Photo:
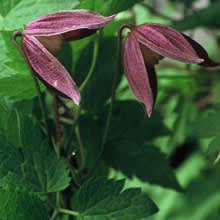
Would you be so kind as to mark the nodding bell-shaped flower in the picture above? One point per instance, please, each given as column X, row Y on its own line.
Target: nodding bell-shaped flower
column 42, row 41
column 145, row 45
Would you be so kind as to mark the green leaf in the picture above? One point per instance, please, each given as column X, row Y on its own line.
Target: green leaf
column 115, row 6
column 209, row 127
column 21, row 205
column 144, row 161
column 108, row 7
column 129, row 145
column 25, row 11
column 48, row 174
column 102, row 199
column 34, row 166
column 15, row 72
column 136, row 125
column 10, row 157
column 208, row 17
column 91, row 5
column 202, row 196
column 6, row 6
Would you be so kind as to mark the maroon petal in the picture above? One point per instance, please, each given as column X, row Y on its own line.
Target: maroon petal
column 79, row 23
column 167, row 42
column 201, row 53
column 137, row 75
column 49, row 68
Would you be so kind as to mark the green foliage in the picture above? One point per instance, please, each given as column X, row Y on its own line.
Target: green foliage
column 152, row 160
column 19, row 13
column 108, row 7
column 129, row 150
column 208, row 17
column 35, row 164
column 102, row 199
column 21, row 205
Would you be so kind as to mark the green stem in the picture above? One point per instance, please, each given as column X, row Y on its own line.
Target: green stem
column 94, row 59
column 57, row 124
column 114, row 84
column 69, row 138
column 81, row 148
column 33, row 75
column 91, row 70
column 69, row 212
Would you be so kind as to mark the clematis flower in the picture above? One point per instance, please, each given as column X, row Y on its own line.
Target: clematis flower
column 145, row 45
column 43, row 39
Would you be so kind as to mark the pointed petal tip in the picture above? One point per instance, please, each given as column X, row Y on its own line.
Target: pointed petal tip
column 149, row 111
column 76, row 99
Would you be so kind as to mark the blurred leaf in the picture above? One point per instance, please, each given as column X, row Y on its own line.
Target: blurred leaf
column 102, row 199
column 91, row 5
column 208, row 17
column 108, row 7
column 202, row 197
column 126, row 149
column 6, row 6
column 144, row 161
column 115, row 6
column 181, row 126
column 22, row 12
column 209, row 127
column 21, row 205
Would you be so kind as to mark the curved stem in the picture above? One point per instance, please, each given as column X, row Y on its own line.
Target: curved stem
column 94, row 59
column 33, row 75
column 114, row 84
column 91, row 70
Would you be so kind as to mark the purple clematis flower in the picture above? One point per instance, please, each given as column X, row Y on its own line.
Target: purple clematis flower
column 145, row 45
column 42, row 41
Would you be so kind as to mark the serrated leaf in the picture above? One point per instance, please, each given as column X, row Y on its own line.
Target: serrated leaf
column 146, row 162
column 102, row 199
column 207, row 17
column 136, row 125
column 21, row 205
column 129, row 145
column 49, row 173
column 35, row 165
column 10, row 157
column 22, row 13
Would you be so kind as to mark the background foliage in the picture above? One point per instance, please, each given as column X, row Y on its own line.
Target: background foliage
column 166, row 165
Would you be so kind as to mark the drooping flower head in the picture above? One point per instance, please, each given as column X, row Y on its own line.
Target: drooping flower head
column 42, row 41
column 145, row 45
